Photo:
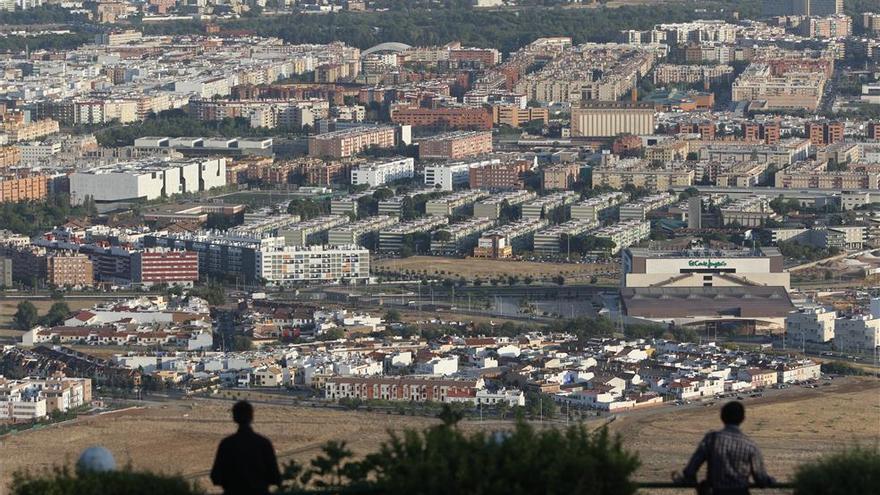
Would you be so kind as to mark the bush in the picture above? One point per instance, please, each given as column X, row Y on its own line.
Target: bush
column 838, row 368
column 855, row 470
column 125, row 482
column 525, row 461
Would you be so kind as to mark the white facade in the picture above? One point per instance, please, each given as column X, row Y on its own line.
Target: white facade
column 147, row 180
column 439, row 366
column 814, row 324
column 294, row 264
column 447, row 176
column 858, row 333
column 380, row 173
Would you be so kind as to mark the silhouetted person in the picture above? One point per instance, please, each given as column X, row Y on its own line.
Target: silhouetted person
column 245, row 462
column 731, row 457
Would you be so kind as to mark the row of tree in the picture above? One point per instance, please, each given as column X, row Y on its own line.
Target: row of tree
column 26, row 315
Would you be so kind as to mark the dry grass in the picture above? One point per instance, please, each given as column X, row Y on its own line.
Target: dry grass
column 791, row 428
column 180, row 436
column 472, row 268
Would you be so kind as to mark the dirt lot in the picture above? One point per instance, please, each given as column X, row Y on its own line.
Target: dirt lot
column 472, row 268
column 793, row 427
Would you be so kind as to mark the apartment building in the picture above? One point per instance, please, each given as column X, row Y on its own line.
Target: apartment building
column 560, row 177
column 358, row 233
column 5, row 272
column 751, row 211
column 297, row 264
column 26, row 188
column 638, row 210
column 550, row 240
column 768, row 132
column 409, row 389
column 598, row 207
column 491, row 207
column 392, row 239
column 612, row 118
column 459, row 237
column 499, row 176
column 815, row 176
column 668, row 151
column 349, row 142
column 824, row 133
column 544, row 206
column 810, row 324
column 624, row 234
column 788, row 90
column 857, row 333
column 499, row 243
column 32, row 398
column 466, row 118
column 842, row 237
column 10, row 156
column 639, row 173
column 379, row 173
column 691, row 74
column 69, row 270
column 19, row 131
column 164, row 266
column 515, row 116
column 835, row 26
column 455, row 145
column 455, row 202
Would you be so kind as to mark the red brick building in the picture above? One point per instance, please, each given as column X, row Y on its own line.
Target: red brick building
column 705, row 128
column 400, row 388
column 768, row 132
column 499, row 175
column 627, row 143
column 474, row 118
column 455, row 145
column 874, row 130
column 824, row 133
column 162, row 266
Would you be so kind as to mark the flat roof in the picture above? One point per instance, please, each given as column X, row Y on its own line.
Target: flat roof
column 715, row 302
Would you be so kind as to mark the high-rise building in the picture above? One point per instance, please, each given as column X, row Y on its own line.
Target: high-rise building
column 612, row 118
column 69, row 270
column 774, row 8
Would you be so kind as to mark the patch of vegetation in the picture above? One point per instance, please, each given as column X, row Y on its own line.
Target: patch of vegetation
column 855, row 470
column 124, row 482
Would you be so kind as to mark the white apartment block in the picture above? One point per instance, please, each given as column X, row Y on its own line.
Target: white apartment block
column 295, row 264
column 812, row 324
column 148, row 180
column 380, row 173
column 857, row 333
column 439, row 366
column 35, row 398
column 446, row 177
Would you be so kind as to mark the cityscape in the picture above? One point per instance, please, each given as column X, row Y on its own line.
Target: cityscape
column 439, row 246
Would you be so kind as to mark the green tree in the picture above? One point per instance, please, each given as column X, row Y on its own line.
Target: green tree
column 242, row 343
column 25, row 316
column 855, row 470
column 392, row 315
column 56, row 315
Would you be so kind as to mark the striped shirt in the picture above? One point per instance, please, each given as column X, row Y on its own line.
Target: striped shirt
column 733, row 458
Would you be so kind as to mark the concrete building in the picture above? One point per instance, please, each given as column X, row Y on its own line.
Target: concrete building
column 639, row 173
column 147, row 180
column 499, row 176
column 460, row 237
column 844, row 237
column 857, row 333
column 379, row 173
column 312, row 231
column 455, row 202
column 5, row 272
column 296, row 264
column 624, row 234
column 612, row 118
column 546, row 205
column 811, row 324
column 501, row 242
column 409, row 389
column 704, row 268
column 392, row 238
column 638, row 210
column 561, row 176
column 491, row 207
column 598, row 207
column 550, row 240
column 466, row 118
column 361, row 233
column 23, row 188
column 751, row 211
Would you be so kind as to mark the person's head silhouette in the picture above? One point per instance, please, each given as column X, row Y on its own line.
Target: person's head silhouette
column 243, row 413
column 733, row 413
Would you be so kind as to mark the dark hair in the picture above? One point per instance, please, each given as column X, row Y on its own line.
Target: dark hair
column 733, row 413
column 243, row 412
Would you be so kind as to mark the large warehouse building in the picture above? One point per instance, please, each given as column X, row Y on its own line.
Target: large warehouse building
column 746, row 287
column 147, row 179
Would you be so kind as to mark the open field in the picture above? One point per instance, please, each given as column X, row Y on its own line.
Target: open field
column 473, row 268
column 791, row 427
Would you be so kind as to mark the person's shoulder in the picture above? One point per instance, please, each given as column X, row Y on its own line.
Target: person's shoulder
column 262, row 439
